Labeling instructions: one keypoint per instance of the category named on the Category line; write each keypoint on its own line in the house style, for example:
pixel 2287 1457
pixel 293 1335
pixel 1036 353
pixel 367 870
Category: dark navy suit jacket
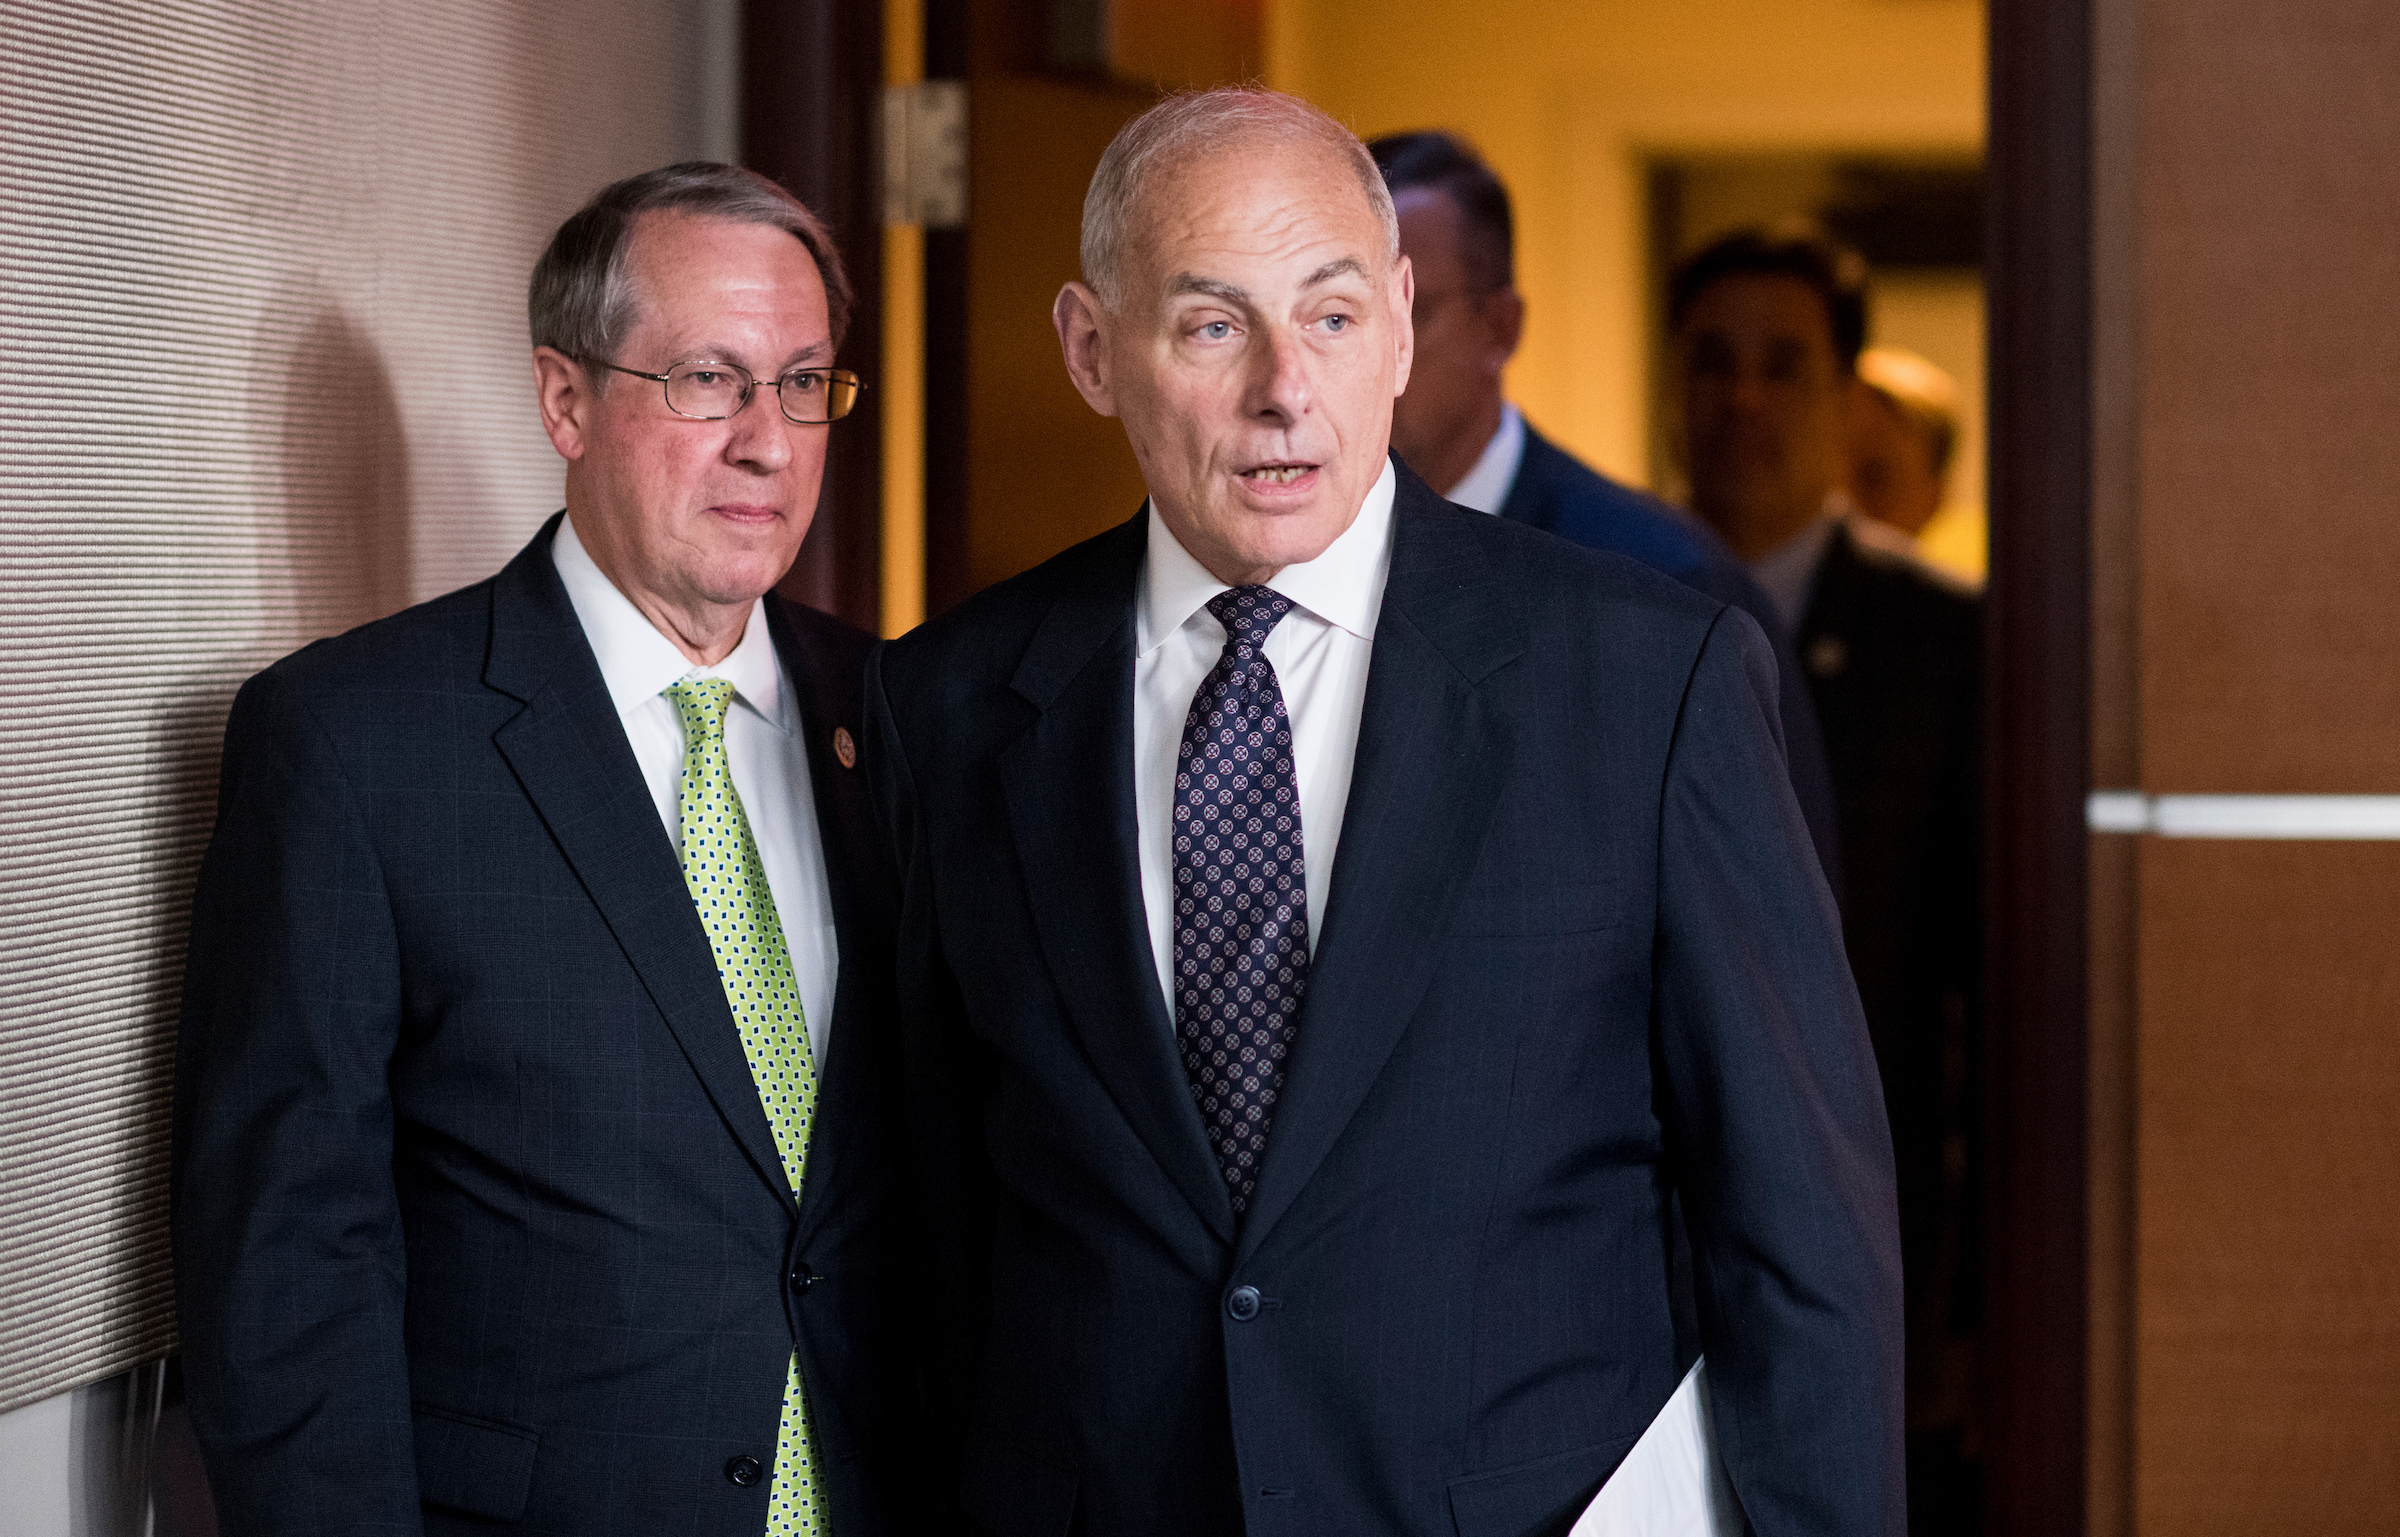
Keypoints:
pixel 1577 955
pixel 1895 656
pixel 477 1216
pixel 1560 494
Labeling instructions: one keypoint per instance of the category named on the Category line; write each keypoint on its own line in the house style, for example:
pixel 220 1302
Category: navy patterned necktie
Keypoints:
pixel 1241 895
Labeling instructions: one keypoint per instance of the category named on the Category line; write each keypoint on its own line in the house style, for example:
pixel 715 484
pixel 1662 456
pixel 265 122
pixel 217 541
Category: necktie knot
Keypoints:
pixel 700 703
pixel 1249 614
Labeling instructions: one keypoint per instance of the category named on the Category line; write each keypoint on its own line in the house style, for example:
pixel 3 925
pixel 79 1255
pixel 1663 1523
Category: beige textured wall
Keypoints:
pixel 263 376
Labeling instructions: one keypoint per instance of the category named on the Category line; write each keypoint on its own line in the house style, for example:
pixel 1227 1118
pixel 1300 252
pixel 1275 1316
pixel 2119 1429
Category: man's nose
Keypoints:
pixel 1746 389
pixel 758 437
pixel 1284 387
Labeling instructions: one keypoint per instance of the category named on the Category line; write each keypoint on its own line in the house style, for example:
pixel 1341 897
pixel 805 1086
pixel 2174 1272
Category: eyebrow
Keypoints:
pixel 1190 283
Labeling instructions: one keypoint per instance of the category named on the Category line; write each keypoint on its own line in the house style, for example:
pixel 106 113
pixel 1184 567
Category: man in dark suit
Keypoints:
pixel 1456 427
pixel 1768 325
pixel 1334 924
pixel 532 1123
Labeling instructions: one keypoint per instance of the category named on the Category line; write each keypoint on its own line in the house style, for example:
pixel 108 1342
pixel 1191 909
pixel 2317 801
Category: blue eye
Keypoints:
pixel 1337 322
pixel 1216 330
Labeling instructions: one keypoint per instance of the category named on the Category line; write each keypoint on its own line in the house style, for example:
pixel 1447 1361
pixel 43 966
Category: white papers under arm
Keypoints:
pixel 1671 1484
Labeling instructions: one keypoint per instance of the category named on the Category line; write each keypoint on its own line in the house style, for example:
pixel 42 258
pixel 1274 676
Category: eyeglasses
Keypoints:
pixel 711 392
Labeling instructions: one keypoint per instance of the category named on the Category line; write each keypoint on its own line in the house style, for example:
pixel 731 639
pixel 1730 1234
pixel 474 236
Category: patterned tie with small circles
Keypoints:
pixel 729 885
pixel 1241 895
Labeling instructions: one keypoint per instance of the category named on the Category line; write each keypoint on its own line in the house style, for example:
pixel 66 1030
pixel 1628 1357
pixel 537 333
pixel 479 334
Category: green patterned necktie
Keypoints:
pixel 721 865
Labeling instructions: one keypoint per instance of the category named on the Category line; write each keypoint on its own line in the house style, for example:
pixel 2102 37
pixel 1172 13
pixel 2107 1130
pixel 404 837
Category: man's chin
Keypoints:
pixel 746 578
pixel 1287 536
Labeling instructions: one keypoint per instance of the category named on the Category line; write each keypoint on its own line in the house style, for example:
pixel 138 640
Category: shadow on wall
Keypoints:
pixel 343 458
pixel 334 554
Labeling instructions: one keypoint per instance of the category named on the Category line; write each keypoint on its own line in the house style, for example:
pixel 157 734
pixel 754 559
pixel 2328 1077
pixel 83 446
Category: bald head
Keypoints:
pixel 1133 189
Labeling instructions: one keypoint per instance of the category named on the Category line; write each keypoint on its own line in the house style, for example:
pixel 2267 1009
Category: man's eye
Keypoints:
pixel 708 378
pixel 1337 322
pixel 1217 330
pixel 803 382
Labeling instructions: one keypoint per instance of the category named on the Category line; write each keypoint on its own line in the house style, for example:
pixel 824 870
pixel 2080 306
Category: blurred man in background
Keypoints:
pixel 1903 439
pixel 1903 430
pixel 1457 428
pixel 1767 326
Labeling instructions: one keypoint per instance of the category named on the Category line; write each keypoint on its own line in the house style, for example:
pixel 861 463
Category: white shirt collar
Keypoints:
pixel 637 662
pixel 1343 586
pixel 1789 571
pixel 1487 485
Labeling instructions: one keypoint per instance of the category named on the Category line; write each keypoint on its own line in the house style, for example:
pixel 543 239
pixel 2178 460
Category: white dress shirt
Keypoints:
pixel 1788 572
pixel 1319 651
pixel 1487 485
pixel 763 745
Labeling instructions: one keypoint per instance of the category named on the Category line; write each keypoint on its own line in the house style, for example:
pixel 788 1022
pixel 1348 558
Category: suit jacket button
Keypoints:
pixel 1242 1303
pixel 743 1471
pixel 845 750
pixel 803 1278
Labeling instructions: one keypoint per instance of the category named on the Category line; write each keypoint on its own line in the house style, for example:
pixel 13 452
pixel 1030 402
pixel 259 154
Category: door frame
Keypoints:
pixel 2037 759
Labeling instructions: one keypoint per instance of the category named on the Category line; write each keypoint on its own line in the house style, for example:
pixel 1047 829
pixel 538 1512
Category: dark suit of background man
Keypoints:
pixel 1333 923
pixel 1768 325
pixel 1456 427
pixel 531 1169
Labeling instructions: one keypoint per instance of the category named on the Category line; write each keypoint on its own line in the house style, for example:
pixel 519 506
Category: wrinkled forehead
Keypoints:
pixel 1252 196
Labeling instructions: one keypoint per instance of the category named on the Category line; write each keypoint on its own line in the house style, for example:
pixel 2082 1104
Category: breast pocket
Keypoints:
pixel 1531 909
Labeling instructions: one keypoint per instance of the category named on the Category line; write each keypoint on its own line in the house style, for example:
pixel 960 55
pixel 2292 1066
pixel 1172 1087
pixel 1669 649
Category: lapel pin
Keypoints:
pixel 844 748
pixel 1827 656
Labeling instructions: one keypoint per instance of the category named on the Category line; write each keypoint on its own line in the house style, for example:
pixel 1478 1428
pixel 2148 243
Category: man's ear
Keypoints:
pixel 564 390
pixel 1077 314
pixel 1404 322
pixel 1504 313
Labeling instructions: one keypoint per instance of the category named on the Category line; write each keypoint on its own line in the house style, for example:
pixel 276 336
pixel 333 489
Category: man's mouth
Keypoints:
pixel 1276 474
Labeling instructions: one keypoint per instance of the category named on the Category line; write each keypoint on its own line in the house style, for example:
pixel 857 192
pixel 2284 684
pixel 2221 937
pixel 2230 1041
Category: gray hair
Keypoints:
pixel 581 300
pixel 1192 123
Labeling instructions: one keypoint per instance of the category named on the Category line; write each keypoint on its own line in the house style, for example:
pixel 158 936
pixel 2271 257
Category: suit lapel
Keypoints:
pixel 844 833
pixel 1069 787
pixel 1833 596
pixel 1531 496
pixel 568 749
pixel 1432 759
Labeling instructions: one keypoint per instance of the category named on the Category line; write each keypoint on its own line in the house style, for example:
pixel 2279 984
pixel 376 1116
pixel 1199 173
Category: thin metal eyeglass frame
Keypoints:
pixel 749 387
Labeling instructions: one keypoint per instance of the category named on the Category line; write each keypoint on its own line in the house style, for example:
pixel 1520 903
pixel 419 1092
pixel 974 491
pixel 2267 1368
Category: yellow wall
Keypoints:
pixel 1567 97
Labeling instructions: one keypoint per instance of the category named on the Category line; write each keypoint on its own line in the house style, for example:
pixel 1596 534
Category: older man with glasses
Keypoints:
pixel 534 1087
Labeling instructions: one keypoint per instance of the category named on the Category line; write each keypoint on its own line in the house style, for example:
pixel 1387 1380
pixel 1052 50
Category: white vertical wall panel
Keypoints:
pixel 262 377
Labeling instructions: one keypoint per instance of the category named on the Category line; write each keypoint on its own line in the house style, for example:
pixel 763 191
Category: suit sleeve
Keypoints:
pixel 951 1186
pixel 289 1257
pixel 1775 1123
